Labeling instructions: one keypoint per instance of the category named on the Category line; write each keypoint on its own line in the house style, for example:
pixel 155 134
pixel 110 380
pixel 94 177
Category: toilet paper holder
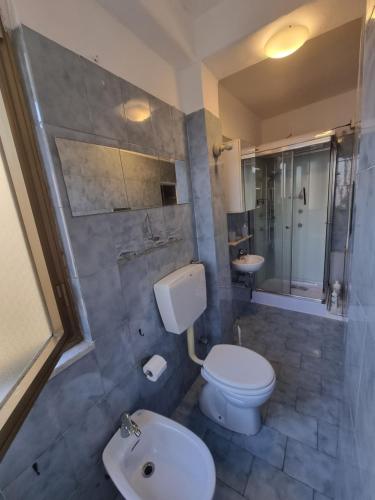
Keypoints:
pixel 154 367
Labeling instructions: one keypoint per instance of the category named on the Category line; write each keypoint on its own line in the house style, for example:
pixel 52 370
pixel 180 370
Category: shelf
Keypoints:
pixel 241 240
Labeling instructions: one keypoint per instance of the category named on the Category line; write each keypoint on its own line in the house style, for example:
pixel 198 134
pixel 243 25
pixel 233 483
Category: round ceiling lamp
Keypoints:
pixel 286 41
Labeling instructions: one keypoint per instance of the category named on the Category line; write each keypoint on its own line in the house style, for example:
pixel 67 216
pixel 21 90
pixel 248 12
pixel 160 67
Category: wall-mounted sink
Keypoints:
pixel 167 461
pixel 248 263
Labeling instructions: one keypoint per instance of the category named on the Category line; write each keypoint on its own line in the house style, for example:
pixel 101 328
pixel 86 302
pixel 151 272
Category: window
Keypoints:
pixel 37 315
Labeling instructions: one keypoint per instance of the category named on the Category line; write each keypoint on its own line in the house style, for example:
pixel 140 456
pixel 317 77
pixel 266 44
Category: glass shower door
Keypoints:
pixel 273 221
pixel 310 198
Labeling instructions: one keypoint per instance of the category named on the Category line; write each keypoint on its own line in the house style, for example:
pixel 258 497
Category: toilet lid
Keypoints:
pixel 238 367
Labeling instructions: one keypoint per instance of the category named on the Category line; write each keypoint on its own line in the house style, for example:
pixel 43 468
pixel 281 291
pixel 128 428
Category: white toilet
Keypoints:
pixel 239 380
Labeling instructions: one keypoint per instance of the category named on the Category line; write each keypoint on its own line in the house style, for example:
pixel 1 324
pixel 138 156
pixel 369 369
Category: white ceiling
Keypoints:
pixel 228 36
pixel 196 8
pixel 319 16
pixel 325 66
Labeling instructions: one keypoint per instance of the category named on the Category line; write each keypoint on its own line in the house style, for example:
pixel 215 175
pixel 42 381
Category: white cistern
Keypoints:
pixel 239 380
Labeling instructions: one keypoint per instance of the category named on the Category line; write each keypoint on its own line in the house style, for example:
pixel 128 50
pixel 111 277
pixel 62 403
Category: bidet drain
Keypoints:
pixel 148 469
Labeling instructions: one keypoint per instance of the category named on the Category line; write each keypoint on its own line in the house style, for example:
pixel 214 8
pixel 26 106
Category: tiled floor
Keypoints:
pixel 293 457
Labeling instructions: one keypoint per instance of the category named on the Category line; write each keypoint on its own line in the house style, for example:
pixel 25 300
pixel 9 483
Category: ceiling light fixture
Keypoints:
pixel 286 41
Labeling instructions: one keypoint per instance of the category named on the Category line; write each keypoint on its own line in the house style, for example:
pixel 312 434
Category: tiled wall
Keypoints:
pixel 79 409
pixel 356 475
pixel 204 130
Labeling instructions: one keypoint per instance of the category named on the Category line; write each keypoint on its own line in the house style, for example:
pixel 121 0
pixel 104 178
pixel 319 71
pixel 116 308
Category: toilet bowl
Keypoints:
pixel 238 380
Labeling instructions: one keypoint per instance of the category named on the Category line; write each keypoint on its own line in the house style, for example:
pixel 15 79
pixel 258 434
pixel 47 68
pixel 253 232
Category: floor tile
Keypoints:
pixel 255 345
pixel 308 380
pixel 223 492
pixel 328 438
pixel 284 393
pixel 268 483
pixel 291 423
pixel 191 419
pixel 300 412
pixel 324 367
pixel 319 496
pixel 310 466
pixel 332 387
pixel 268 444
pixel 304 346
pixel 286 358
pixel 232 463
pixel 316 405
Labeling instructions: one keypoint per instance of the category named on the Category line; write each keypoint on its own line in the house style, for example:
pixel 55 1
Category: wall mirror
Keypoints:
pixel 101 179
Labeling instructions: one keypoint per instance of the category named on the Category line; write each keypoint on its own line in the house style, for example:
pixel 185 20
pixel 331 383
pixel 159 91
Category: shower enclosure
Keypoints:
pixel 293 187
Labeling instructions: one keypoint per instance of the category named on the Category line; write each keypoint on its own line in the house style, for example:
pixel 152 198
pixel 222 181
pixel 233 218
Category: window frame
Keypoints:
pixel 37 215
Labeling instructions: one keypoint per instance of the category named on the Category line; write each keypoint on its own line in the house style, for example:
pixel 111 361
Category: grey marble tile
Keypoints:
pixel 59 84
pixel 92 243
pixel 308 380
pixel 316 405
pixel 332 387
pixel 365 435
pixel 105 101
pixel 196 132
pixel 179 134
pixel 255 345
pixel 223 492
pixel 86 439
pixel 192 419
pixel 305 346
pixel 268 444
pixel 232 463
pixel 323 367
pixel 127 231
pixel 161 117
pixel 319 496
pixel 137 292
pixel 55 479
pixel 310 466
pixel 164 395
pixel 154 226
pixel 284 357
pixel 284 393
pixel 75 390
pixel 40 429
pixel 183 178
pixel 291 423
pixel 102 293
pixel 334 353
pixel 328 438
pixel 268 483
pixel 97 485
pixel 126 395
pixel 114 356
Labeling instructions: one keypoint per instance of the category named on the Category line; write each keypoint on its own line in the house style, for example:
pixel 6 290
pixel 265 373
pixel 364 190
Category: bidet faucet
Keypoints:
pixel 128 426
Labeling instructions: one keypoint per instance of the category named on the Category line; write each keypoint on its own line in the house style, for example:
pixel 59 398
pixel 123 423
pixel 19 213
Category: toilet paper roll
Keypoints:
pixel 154 367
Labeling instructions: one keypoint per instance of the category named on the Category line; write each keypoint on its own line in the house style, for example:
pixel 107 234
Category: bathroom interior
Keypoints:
pixel 187 280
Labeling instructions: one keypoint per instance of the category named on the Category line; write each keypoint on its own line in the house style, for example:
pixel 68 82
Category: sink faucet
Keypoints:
pixel 128 426
pixel 241 253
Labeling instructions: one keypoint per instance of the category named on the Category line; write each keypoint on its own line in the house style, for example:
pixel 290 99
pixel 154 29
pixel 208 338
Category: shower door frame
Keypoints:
pixel 327 139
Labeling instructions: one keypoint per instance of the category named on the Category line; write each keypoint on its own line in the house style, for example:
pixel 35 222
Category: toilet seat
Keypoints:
pixel 238 370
